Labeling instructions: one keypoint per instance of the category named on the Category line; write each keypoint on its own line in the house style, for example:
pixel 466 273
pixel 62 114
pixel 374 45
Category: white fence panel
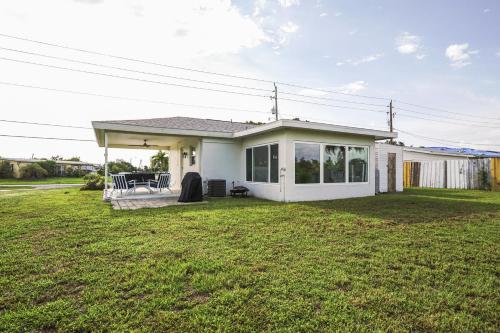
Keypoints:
pixel 457 173
pixel 432 174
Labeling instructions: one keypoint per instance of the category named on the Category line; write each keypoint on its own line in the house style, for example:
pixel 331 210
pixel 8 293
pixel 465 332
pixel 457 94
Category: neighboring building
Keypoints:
pixel 285 160
pixel 61 166
pixel 468 151
pixel 388 168
pixel 414 154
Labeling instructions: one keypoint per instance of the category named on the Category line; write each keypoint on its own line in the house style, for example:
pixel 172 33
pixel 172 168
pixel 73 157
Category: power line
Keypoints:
pixel 182 68
pixel 132 78
pixel 147 101
pixel 43 124
pixel 446 111
pixel 445 140
pixel 128 98
pixel 44 138
pixel 132 70
pixel 328 91
pixel 445 117
pixel 331 105
pixel 330 99
pixel 447 122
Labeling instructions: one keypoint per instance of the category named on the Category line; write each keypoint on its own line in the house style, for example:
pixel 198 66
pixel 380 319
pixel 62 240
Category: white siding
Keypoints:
pixel 270 191
pixel 220 159
pixel 381 152
pixel 324 191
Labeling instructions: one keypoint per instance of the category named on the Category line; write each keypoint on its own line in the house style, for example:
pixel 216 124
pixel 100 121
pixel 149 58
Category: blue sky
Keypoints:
pixel 442 54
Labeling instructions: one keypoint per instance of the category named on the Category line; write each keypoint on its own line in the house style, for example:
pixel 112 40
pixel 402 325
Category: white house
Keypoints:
pixel 285 160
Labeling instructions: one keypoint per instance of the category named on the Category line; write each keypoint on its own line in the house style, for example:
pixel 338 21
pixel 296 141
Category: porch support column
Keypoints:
pixel 106 165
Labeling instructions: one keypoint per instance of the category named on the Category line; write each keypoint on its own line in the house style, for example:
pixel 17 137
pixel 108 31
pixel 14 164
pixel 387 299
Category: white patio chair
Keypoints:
pixel 163 182
pixel 121 184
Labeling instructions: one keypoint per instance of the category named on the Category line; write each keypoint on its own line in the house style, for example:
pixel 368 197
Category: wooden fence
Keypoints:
pixel 459 174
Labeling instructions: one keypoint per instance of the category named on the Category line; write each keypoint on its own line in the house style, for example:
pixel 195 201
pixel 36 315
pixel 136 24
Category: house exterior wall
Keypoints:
pixel 180 165
pixel 381 162
pixel 326 191
pixel 414 156
pixel 270 191
pixel 220 159
pixel 226 159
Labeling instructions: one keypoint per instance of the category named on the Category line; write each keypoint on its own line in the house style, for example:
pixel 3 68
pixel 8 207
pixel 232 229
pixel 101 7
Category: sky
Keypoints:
pixel 444 55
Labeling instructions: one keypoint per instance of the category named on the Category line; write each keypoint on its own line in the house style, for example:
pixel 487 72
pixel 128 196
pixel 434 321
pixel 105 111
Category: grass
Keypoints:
pixel 425 260
pixel 50 180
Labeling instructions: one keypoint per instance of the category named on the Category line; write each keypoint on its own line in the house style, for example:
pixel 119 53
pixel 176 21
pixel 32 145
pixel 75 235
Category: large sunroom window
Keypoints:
pixel 307 165
pixel 358 164
pixel 330 163
pixel 334 164
pixel 262 164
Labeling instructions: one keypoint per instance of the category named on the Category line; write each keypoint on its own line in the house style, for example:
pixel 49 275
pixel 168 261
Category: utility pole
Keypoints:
pixel 391 115
pixel 275 100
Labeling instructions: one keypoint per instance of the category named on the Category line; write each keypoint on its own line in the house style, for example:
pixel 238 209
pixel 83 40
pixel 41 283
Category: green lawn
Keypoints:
pixel 53 180
pixel 425 260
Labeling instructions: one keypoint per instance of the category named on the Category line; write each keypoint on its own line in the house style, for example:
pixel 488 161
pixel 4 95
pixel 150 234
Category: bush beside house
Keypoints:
pixel 93 181
pixel 6 170
pixel 33 171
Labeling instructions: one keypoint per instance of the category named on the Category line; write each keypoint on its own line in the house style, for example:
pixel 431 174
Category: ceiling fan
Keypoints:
pixel 144 145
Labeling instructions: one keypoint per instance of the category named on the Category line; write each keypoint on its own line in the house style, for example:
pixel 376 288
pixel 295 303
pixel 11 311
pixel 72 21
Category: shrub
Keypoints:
pixel 50 166
pixel 74 172
pixel 118 166
pixel 6 170
pixel 33 171
pixel 93 181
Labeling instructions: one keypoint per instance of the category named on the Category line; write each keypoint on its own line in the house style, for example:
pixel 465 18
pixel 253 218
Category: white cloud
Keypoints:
pixel 353 32
pixel 420 56
pixel 498 54
pixel 486 10
pixel 407 43
pixel 289 3
pixel 366 59
pixel 289 27
pixel 323 14
pixel 352 88
pixel 459 55
pixel 337 14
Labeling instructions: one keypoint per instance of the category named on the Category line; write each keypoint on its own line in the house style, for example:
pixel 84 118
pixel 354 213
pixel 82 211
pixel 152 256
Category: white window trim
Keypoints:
pixel 268 163
pixel 321 169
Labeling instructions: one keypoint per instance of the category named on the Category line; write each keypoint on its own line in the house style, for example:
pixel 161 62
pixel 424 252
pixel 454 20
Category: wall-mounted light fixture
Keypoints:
pixel 185 154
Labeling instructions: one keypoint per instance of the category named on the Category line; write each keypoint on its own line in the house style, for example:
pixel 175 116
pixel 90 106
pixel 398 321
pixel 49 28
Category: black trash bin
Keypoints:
pixel 191 188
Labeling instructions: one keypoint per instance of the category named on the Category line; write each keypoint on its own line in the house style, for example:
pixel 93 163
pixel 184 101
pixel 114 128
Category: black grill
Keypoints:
pixel 216 188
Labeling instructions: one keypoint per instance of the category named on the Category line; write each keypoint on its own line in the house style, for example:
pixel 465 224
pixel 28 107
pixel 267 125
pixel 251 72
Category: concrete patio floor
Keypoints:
pixel 141 198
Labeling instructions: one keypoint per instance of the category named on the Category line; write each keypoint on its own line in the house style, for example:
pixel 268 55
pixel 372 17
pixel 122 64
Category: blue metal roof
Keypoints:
pixel 468 151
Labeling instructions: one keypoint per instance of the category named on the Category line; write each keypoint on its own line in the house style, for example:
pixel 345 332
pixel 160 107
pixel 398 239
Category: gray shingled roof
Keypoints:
pixel 186 123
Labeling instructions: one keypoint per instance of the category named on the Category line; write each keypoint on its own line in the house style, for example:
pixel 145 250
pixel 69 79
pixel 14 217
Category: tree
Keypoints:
pixel 50 166
pixel 6 170
pixel 33 171
pixel 56 158
pixel 75 159
pixel 395 143
pixel 251 122
pixel 159 162
pixel 118 166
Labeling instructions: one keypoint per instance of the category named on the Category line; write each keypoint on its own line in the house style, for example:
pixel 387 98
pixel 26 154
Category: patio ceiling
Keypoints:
pixel 136 140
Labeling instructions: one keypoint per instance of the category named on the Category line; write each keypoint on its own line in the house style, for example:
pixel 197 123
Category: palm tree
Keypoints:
pixel 159 162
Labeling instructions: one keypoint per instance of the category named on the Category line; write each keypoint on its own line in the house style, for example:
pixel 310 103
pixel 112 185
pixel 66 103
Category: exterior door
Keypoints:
pixel 391 172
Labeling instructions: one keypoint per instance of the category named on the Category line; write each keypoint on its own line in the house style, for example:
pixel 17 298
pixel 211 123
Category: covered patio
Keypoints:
pixel 181 151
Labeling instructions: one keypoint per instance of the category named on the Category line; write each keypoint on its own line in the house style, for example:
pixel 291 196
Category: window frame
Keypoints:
pixel 268 164
pixel 322 159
